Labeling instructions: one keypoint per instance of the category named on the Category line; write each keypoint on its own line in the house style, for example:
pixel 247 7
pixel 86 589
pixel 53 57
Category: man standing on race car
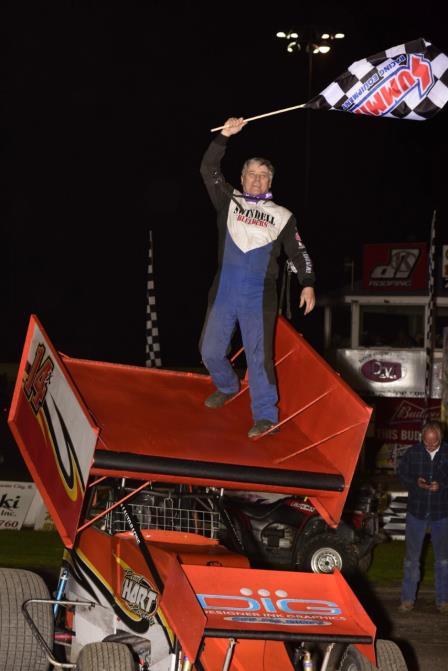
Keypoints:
pixel 252 230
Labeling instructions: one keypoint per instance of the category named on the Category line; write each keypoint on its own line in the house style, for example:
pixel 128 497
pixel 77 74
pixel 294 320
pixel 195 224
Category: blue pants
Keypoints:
pixel 243 300
pixel 415 534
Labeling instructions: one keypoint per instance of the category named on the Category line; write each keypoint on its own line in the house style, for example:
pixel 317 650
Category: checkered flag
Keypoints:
pixel 409 81
pixel 429 331
pixel 153 358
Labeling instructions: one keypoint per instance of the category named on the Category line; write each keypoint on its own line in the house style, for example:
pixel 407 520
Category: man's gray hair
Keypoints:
pixel 433 425
pixel 261 161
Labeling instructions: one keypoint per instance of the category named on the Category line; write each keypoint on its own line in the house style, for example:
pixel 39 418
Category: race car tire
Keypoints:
pixel 19 649
pixel 389 656
pixel 324 553
pixel 353 660
pixel 105 657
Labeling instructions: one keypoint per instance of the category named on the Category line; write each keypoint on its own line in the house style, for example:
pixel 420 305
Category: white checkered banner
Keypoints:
pixel 153 358
pixel 409 81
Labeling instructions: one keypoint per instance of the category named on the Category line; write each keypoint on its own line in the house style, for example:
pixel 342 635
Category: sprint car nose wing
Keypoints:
pixel 206 602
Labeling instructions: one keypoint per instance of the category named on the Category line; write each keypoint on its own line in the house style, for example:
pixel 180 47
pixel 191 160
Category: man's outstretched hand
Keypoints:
pixel 233 126
pixel 307 299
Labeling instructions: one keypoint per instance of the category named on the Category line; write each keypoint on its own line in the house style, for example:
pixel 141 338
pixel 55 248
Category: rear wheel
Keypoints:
pixel 389 656
pixel 19 649
pixel 105 657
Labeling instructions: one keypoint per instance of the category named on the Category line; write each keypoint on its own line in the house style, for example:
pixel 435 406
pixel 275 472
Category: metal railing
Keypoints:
pixel 167 515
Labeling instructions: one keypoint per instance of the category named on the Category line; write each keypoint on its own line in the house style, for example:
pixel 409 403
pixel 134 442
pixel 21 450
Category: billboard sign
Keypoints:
pixel 391 267
pixel 380 372
pixel 15 500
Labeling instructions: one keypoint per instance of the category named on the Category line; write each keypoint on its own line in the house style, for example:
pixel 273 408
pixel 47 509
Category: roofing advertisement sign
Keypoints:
pixel 391 267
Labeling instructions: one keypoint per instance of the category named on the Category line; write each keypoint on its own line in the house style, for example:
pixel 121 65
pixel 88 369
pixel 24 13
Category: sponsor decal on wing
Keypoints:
pixel 51 422
pixel 264 607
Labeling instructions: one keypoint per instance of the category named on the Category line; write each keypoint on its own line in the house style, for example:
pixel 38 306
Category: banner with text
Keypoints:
pixel 15 500
pixel 391 267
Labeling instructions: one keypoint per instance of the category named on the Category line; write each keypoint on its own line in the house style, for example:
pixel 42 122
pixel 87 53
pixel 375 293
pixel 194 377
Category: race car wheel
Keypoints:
pixel 325 553
pixel 105 657
pixel 389 656
pixel 19 649
pixel 353 660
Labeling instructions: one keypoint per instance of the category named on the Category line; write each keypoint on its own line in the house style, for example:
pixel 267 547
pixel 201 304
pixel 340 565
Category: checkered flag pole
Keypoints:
pixel 429 331
pixel 153 358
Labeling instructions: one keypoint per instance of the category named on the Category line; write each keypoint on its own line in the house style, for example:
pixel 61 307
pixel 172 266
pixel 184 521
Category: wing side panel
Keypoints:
pixel 53 429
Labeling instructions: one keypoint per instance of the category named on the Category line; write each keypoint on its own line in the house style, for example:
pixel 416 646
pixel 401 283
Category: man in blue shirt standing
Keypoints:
pixel 424 471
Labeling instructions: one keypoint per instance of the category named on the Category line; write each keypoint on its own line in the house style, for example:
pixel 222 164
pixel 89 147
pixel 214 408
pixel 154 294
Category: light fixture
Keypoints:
pixel 291 35
pixel 305 40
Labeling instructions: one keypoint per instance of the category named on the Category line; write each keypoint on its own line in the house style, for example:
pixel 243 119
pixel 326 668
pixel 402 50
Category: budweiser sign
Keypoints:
pixel 407 411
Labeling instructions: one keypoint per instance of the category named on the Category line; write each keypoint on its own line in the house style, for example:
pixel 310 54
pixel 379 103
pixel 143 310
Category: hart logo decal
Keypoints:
pixel 139 595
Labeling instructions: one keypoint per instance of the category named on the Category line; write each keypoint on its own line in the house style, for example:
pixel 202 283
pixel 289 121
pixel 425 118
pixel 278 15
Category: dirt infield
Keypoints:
pixel 422 634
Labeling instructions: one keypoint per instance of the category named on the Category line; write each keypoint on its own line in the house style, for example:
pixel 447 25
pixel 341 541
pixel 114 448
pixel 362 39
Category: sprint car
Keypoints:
pixel 133 469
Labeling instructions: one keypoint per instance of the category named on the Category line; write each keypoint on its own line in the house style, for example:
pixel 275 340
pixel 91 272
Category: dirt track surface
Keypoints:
pixel 422 634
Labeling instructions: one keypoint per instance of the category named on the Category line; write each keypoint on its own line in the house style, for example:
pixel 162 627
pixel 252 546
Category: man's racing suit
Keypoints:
pixel 244 290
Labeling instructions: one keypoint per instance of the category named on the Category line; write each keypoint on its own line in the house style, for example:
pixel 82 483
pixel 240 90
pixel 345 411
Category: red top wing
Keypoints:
pixel 154 425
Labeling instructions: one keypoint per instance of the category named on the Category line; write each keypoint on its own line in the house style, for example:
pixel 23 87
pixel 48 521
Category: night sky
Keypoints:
pixel 106 111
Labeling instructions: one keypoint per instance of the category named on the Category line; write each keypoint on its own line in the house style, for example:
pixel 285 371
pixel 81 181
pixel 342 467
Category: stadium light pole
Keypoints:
pixel 313 41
